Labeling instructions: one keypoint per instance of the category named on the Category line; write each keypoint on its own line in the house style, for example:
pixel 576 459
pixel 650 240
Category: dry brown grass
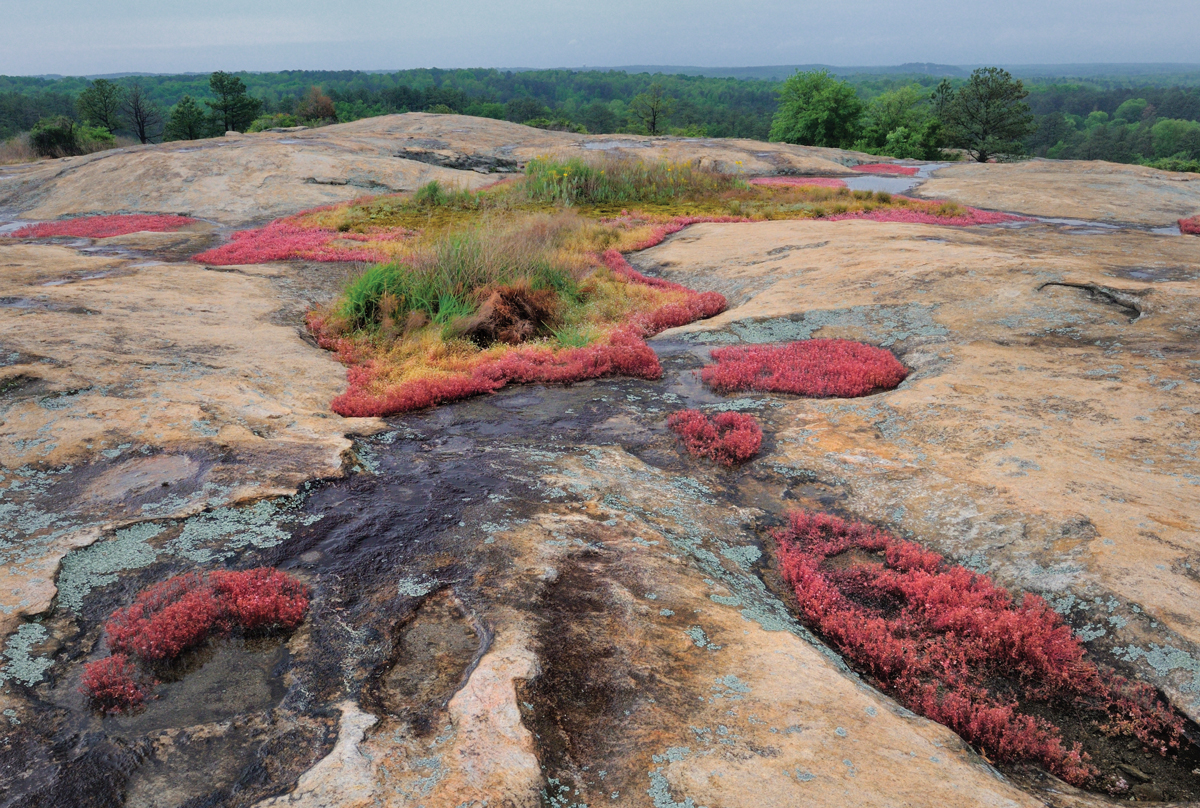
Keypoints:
pixel 17 150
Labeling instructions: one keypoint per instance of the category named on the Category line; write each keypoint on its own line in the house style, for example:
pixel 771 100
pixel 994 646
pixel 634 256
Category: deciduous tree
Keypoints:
pixel 316 106
pixel 815 109
pixel 142 114
pixel 652 108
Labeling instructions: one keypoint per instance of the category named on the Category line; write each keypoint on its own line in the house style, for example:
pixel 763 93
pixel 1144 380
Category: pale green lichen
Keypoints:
pixel 214 534
pixel 743 556
pixel 1165 660
pixel 414 587
pixel 21 665
pixel 98 565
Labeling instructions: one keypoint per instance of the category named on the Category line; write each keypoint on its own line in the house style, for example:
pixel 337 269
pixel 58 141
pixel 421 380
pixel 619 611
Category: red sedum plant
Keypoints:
pixel 951 645
pixel 105 226
pixel 820 368
pixel 178 614
pixel 728 438
pixel 112 683
pixel 885 168
pixel 798 182
pixel 1190 227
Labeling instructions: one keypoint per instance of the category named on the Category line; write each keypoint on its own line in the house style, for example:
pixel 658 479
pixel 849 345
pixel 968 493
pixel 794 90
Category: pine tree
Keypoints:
pixel 187 121
pixel 234 109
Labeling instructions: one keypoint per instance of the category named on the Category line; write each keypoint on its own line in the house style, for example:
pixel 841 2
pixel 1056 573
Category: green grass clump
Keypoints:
pixel 615 181
pixel 443 282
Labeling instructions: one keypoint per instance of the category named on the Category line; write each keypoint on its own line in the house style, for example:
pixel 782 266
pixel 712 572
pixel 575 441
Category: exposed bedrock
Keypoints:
pixel 534 598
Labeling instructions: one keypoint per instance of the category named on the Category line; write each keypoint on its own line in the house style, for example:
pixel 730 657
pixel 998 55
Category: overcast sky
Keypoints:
pixel 80 37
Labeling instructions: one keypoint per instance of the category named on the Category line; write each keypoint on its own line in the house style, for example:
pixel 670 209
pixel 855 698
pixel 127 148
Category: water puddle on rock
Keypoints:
pixel 218 683
pixel 878 184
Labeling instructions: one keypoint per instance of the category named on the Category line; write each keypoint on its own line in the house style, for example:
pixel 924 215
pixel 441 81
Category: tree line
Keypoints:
pixel 901 116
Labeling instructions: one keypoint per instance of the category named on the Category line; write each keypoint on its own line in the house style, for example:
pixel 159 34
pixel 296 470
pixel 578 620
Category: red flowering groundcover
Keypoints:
pixel 105 226
pixel 180 613
pixel 1190 227
pixel 728 438
pixel 951 645
pixel 799 182
pixel 885 168
pixel 283 240
pixel 819 368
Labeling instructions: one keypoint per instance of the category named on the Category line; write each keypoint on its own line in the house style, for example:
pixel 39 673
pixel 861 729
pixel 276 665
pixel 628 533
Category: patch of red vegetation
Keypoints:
pixel 799 182
pixel 954 647
pixel 179 614
pixel 885 168
pixel 626 354
pixel 697 306
pixel 819 368
pixel 1190 227
pixel 283 240
pixel 927 212
pixel 728 438
pixel 112 684
pixel 104 226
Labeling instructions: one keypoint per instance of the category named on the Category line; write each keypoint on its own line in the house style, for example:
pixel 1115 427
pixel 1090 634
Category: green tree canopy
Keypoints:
pixel 520 110
pixel 100 104
pixel 988 115
pixel 905 107
pixel 187 121
pixel 815 109
pixel 234 109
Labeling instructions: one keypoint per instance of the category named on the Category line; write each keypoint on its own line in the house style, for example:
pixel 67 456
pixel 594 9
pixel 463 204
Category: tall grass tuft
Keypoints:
pixel 620 180
pixel 445 280
pixel 17 149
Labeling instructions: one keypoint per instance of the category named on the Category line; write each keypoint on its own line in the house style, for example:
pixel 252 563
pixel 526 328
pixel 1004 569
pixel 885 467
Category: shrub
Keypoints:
pixel 278 120
pixel 104 226
pixel 62 137
pixel 728 438
pixel 112 684
pixel 179 614
pixel 885 168
pixel 557 125
pixel 1175 164
pixel 55 137
pixel 1190 226
pixel 953 646
pixel 820 368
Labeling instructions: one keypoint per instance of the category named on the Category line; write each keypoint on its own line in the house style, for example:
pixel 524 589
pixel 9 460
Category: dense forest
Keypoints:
pixel 1109 119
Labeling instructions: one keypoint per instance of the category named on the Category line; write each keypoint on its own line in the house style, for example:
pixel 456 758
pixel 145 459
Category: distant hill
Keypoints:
pixel 778 72
pixel 1133 74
